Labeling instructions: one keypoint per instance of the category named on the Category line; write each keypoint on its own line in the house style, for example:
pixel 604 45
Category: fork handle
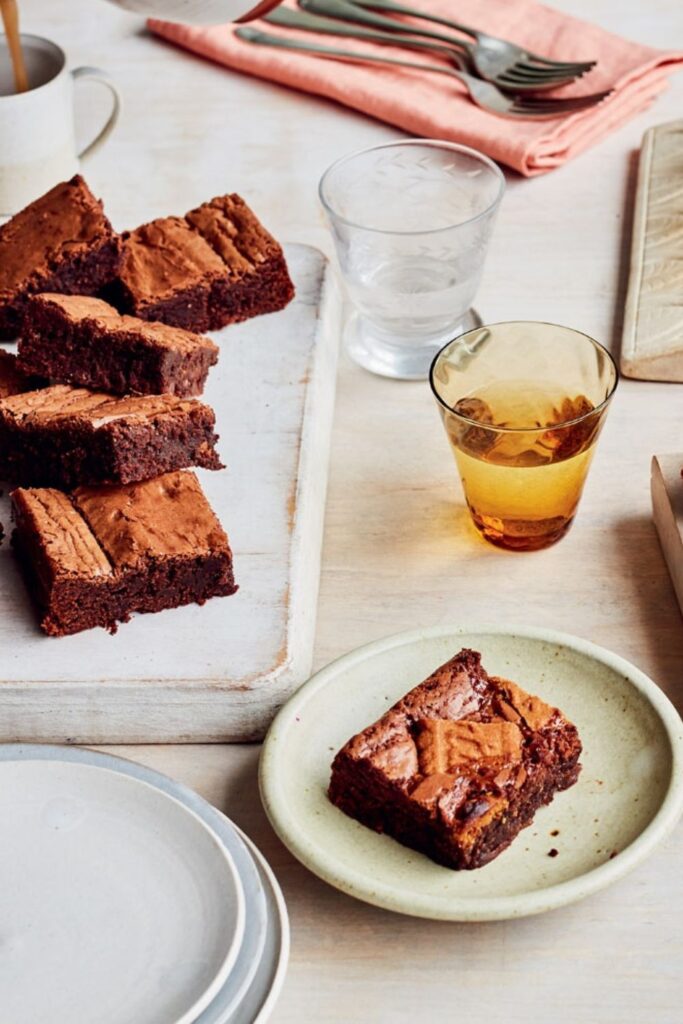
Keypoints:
pixel 348 11
pixel 389 5
pixel 288 18
pixel 252 35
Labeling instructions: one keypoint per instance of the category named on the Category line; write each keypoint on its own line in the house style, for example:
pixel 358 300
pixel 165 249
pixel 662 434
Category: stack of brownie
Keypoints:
pixel 99 414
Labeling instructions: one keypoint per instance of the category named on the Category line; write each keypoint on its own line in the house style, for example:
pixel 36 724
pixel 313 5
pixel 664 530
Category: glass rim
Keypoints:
pixel 525 430
pixel 435 143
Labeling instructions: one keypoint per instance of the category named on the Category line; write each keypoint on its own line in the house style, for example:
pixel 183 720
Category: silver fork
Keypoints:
pixel 495 60
pixel 489 51
pixel 289 18
pixel 484 94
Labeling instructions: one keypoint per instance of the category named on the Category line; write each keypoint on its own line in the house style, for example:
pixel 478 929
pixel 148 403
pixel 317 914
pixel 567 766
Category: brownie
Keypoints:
pixel 74 339
pixel 215 266
pixel 62 437
pixel 458 766
pixel 12 380
pixel 93 557
pixel 256 279
pixel 62 242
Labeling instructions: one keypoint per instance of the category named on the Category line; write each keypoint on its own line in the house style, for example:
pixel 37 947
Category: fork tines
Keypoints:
pixel 524 73
pixel 541 105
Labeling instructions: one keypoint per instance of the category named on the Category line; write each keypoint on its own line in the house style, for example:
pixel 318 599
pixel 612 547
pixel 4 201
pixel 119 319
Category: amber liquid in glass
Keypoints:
pixel 524 468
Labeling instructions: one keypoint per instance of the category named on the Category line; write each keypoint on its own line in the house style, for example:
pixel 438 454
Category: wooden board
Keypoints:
pixel 667 511
pixel 220 671
pixel 652 343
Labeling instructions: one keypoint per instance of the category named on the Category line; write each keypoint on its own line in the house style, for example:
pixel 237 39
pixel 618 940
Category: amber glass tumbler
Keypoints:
pixel 523 405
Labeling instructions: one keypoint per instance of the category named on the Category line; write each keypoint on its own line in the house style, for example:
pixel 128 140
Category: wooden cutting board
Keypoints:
pixel 217 672
pixel 652 342
pixel 667 511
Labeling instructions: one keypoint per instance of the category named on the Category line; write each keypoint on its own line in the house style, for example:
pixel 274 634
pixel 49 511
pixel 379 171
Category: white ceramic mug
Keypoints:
pixel 37 139
pixel 200 12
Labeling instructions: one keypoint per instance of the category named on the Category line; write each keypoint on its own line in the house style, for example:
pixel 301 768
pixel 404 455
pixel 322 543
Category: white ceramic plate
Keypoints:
pixel 117 897
pixel 629 794
pixel 254 983
pixel 260 1000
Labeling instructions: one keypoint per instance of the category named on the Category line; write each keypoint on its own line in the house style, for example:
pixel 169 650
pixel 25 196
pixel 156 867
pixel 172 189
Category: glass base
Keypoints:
pixel 399 359
pixel 521 534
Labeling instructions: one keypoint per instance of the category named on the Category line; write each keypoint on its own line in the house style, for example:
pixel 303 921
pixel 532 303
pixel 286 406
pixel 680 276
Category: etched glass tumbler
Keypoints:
pixel 411 222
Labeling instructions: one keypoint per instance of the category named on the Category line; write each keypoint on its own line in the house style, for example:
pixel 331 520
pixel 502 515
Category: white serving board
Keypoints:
pixel 652 341
pixel 667 512
pixel 217 672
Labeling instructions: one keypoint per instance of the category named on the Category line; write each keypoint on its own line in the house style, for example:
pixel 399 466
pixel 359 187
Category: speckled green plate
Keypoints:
pixel 628 797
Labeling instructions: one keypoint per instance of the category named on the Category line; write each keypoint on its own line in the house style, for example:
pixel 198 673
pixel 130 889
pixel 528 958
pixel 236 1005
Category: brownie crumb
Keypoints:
pixel 553 852
pixel 555 832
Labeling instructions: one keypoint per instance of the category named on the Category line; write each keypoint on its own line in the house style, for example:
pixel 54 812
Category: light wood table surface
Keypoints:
pixel 399 551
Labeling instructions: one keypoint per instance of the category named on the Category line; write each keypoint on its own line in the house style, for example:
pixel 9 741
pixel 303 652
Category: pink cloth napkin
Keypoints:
pixel 437 107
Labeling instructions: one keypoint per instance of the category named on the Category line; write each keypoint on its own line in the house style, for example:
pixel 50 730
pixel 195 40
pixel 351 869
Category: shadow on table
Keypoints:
pixel 647 587
pixel 409 524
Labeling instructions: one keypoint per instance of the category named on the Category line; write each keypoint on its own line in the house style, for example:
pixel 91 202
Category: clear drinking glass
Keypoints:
pixel 523 405
pixel 411 222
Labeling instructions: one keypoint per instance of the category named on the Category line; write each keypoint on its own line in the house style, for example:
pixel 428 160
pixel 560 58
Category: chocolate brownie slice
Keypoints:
pixel 62 437
pixel 62 242
pixel 458 766
pixel 94 557
pixel 255 279
pixel 73 339
pixel 12 380
pixel 167 273
pixel 215 266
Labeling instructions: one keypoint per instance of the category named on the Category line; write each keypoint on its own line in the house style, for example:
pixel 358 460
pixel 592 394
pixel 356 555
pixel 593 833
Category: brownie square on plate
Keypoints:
pixel 94 557
pixel 458 766
pixel 61 242
pixel 74 339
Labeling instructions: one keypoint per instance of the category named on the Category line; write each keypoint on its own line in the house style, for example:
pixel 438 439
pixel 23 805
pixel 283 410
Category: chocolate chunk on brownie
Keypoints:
pixel 215 266
pixel 62 242
pixel 458 766
pixel 74 339
pixel 94 557
pixel 62 437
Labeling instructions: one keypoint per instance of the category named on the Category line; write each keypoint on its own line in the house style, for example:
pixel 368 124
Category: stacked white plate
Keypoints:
pixel 128 898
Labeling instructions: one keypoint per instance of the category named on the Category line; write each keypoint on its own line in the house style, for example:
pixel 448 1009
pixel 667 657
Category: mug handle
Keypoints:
pixel 97 75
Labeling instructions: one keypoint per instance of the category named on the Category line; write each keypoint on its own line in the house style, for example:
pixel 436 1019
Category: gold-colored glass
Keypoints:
pixel 523 405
